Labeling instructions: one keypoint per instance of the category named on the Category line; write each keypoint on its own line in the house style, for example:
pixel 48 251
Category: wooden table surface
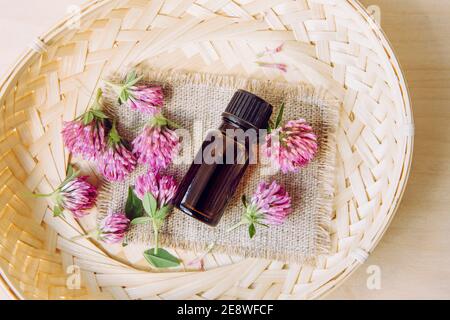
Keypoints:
pixel 414 255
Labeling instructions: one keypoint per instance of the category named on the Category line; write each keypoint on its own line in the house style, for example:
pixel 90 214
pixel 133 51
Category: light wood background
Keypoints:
pixel 414 255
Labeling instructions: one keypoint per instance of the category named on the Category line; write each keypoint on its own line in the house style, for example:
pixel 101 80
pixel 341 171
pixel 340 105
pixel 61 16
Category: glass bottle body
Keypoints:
pixel 215 173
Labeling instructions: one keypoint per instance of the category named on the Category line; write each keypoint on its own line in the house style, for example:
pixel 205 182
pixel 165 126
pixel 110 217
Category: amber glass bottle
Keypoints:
pixel 223 158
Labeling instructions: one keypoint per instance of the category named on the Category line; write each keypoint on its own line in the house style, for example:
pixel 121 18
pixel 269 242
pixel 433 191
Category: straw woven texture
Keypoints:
pixel 331 44
pixel 196 101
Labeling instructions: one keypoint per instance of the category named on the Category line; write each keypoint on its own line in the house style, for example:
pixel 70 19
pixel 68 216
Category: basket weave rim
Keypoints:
pixel 406 99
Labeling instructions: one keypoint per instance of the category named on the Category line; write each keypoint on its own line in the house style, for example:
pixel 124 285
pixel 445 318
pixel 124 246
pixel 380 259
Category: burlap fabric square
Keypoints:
pixel 196 101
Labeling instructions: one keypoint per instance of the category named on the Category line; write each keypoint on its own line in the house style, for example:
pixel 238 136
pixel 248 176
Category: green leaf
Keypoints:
pixel 57 211
pixel 133 206
pixel 71 174
pixel 141 220
pixel 279 116
pixel 244 200
pixel 130 76
pixel 133 82
pixel 88 118
pixel 162 213
pixel 97 104
pixel 114 136
pixel 251 230
pixel 99 114
pixel 69 171
pixel 124 95
pixel 262 224
pixel 162 259
pixel 99 95
pixel 161 121
pixel 150 204
pixel 132 79
pixel 173 125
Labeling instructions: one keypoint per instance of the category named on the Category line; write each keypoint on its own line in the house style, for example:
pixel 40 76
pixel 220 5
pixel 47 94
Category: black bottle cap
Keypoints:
pixel 250 109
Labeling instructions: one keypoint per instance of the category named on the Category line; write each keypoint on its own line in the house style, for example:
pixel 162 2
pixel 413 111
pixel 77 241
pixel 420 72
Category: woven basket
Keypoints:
pixel 332 44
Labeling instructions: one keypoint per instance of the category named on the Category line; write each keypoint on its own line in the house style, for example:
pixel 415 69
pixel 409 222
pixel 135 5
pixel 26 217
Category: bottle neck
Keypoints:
pixel 230 121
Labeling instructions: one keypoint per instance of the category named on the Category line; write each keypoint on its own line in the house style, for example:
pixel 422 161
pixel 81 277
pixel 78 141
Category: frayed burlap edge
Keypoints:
pixel 309 95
